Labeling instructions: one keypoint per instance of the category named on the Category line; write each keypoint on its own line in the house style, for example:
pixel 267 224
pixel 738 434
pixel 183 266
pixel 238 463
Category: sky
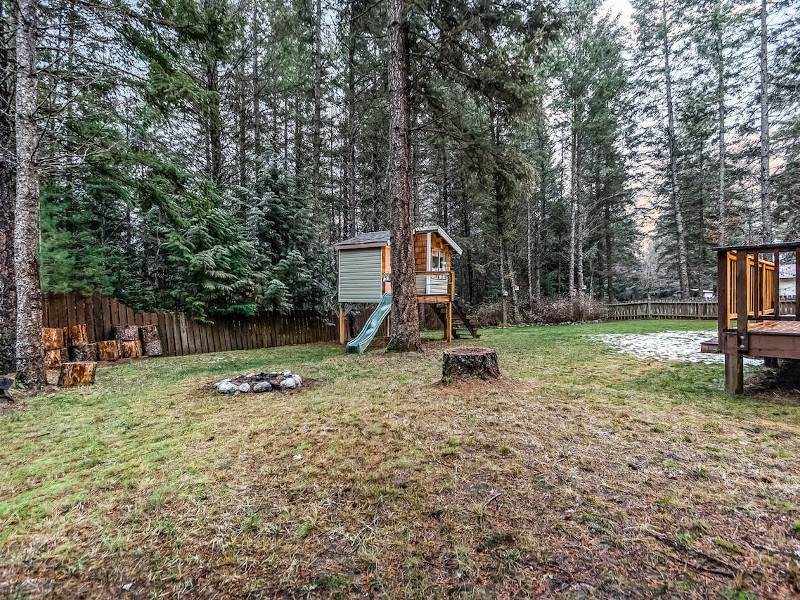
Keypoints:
pixel 621 7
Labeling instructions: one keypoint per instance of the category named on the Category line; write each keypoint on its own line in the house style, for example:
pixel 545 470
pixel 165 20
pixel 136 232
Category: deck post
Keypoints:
pixel 742 273
pixel 734 374
pixel 342 336
pixel 448 330
pixel 777 284
pixel 723 311
pixel 796 285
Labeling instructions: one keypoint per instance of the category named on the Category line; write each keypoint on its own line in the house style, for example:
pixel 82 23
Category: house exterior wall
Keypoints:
pixel 360 275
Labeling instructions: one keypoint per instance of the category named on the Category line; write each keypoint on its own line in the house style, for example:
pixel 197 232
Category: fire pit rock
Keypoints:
pixel 258 383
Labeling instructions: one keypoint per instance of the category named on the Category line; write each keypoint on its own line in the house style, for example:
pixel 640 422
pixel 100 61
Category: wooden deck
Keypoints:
pixel 748 293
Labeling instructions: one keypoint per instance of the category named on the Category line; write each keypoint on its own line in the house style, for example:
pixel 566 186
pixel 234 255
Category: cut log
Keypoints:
pixel 469 362
pixel 83 353
pixel 130 349
pixel 151 342
pixel 52 358
pixel 74 374
pixel 52 338
pixel 108 350
pixel 127 333
pixel 76 335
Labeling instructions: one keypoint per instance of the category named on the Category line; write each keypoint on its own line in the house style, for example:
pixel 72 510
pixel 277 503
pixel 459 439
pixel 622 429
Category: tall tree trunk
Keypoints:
pixel 721 234
pixel 214 125
pixel 766 217
pixel 503 291
pixel 573 205
pixel 349 150
pixel 512 280
pixel 242 118
pixel 680 231
pixel 8 293
pixel 30 355
pixel 405 318
pixel 609 252
pixel 255 35
pixel 529 244
pixel 316 135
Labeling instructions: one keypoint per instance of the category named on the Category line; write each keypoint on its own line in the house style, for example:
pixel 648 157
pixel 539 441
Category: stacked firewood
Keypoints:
pixel 138 340
pixel 68 349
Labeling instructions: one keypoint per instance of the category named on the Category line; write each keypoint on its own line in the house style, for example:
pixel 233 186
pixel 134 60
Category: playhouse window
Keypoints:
pixel 438 261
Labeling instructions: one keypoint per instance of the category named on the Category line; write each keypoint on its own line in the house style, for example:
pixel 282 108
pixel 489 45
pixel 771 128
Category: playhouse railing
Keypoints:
pixel 436 283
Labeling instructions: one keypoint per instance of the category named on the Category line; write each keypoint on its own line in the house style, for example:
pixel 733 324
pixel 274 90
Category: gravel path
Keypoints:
pixel 683 346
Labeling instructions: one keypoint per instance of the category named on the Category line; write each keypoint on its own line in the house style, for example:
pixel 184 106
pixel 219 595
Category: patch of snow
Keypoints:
pixel 682 346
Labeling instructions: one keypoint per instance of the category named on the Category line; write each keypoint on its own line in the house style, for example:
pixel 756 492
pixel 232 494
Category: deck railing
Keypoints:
pixel 746 280
pixel 436 283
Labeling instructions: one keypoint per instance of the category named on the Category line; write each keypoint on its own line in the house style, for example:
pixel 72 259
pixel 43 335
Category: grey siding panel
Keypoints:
pixel 360 275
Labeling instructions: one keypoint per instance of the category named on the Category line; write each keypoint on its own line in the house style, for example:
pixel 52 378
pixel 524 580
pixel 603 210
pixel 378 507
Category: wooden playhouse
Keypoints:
pixel 365 278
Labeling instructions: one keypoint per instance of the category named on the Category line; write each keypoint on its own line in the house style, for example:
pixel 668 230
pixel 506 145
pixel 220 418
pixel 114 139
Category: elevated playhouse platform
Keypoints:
pixel 364 278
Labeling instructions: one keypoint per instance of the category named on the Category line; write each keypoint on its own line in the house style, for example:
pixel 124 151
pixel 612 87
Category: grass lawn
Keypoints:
pixel 584 473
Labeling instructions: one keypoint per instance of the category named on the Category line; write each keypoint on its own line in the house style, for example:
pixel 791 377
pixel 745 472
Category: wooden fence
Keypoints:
pixel 181 335
pixel 674 309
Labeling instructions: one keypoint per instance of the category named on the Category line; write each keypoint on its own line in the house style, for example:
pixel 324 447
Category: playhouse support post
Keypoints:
pixel 448 330
pixel 342 336
pixel 734 374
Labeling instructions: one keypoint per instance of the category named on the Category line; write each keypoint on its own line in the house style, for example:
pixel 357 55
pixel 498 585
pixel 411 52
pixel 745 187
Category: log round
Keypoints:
pixel 52 338
pixel 130 349
pixel 108 350
pixel 127 333
pixel 53 358
pixel 74 374
pixel 83 352
pixel 469 362
pixel 76 334
pixel 151 342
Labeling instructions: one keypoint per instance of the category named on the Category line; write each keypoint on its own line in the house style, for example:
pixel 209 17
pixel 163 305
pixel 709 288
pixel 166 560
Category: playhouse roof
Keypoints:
pixel 373 239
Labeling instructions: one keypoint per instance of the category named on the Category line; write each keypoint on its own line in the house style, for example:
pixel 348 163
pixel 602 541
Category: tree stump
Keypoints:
pixel 151 342
pixel 52 338
pixel 76 335
pixel 83 353
pixel 469 362
pixel 108 350
pixel 127 333
pixel 130 349
pixel 75 374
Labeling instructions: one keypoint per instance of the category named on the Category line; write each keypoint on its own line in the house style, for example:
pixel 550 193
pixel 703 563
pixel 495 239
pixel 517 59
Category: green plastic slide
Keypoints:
pixel 359 343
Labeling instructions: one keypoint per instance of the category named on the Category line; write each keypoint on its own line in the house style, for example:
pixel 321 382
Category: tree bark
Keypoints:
pixel 766 216
pixel 721 234
pixel 256 86
pixel 573 205
pixel 680 231
pixel 8 292
pixel 316 134
pixel 405 318
pixel 30 354
pixel 214 124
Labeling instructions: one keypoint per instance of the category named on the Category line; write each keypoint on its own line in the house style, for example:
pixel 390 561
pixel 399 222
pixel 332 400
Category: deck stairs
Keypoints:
pixel 462 324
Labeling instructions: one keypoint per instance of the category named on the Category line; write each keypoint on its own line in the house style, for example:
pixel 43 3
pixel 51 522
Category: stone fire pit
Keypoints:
pixel 258 383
